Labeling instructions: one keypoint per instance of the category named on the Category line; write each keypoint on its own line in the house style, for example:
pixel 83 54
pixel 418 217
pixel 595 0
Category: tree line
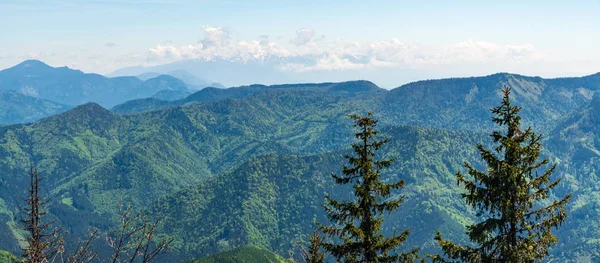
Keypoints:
pixel 511 198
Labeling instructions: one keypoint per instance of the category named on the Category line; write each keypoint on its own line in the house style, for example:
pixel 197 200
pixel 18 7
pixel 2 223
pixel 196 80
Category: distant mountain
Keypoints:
pixel 458 103
pixel 16 107
pixel 144 76
pixel 165 82
pixel 73 87
pixel 463 103
pixel 190 79
pixel 210 94
pixel 272 69
pixel 169 95
pixel 227 71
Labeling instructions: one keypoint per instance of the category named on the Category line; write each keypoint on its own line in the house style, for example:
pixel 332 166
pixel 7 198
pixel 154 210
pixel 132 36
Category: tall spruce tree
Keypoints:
pixel 510 196
pixel 357 223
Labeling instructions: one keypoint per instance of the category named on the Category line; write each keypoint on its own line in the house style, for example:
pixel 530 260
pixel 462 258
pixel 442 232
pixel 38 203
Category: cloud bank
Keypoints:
pixel 306 55
pixel 309 51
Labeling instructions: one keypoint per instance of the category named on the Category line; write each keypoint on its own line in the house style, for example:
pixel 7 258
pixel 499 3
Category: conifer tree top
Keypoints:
pixel 357 223
pixel 510 195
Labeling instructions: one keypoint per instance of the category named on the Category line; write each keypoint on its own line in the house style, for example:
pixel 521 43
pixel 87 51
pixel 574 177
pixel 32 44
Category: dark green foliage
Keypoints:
pixel 267 202
pixel 313 252
pixel 511 196
pixel 357 224
pixel 6 257
pixel 273 201
pixel 242 255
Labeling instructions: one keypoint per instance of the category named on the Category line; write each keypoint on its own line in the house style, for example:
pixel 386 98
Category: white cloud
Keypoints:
pixel 217 43
pixel 330 62
pixel 215 36
pixel 303 37
pixel 310 52
pixel 110 44
pixel 38 55
pixel 483 52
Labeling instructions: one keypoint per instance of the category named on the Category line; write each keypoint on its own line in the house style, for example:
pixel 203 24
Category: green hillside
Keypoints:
pixel 231 171
pixel 211 94
pixel 6 257
pixel 242 255
pixel 16 107
pixel 273 201
pixel 94 157
pixel 464 103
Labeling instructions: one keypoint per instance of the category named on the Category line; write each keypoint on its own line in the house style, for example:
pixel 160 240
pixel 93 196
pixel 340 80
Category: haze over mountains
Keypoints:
pixel 42 90
pixel 249 165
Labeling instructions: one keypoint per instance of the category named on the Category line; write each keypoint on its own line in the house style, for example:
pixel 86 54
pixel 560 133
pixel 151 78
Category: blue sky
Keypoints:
pixel 547 38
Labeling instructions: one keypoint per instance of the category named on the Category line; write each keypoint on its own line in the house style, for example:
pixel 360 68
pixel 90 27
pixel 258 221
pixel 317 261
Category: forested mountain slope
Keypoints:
pixel 274 200
pixel 19 108
pixel 463 103
pixel 459 103
pixel 242 255
pixel 92 157
pixel 210 94
pixel 245 166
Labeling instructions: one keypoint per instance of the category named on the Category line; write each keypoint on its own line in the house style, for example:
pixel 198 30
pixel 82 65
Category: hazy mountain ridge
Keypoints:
pixel 211 94
pixel 190 79
pixel 16 107
pixel 73 87
pixel 459 103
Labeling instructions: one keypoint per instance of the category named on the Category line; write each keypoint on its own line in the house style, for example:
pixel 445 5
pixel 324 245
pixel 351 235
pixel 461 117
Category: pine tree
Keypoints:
pixel 314 254
pixel 357 224
pixel 511 197
pixel 43 242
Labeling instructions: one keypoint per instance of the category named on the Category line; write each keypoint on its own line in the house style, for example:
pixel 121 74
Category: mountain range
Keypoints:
pixel 262 67
pixel 43 90
pixel 249 165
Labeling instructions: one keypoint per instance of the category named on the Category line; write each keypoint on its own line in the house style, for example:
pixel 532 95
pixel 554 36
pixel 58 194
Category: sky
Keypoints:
pixel 431 39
